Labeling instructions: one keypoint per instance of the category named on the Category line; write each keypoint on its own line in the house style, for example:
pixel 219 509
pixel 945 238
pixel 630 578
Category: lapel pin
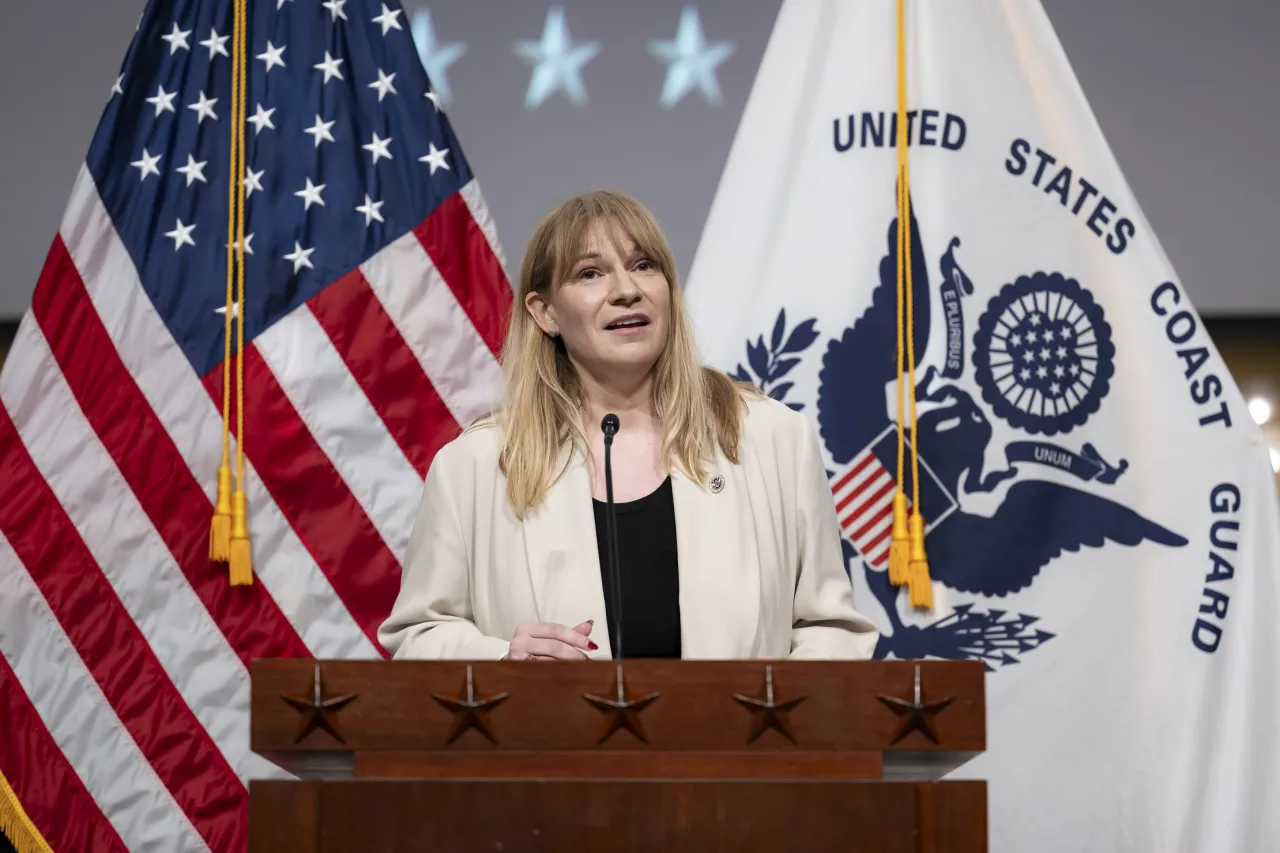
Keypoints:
pixel 717 484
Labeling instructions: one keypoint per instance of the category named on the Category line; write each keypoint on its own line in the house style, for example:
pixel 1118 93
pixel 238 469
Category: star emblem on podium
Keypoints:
pixel 320 713
pixel 621 712
pixel 767 712
pixel 917 713
pixel 469 711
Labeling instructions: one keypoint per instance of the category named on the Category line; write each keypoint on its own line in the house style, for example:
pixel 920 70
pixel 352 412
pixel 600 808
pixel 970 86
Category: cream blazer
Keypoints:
pixel 760 565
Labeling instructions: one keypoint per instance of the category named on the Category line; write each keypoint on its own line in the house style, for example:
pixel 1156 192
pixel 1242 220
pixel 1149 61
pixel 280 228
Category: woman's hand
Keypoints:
pixel 550 640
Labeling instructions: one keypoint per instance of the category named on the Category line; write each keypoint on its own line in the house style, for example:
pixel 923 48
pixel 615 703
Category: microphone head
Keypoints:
pixel 610 424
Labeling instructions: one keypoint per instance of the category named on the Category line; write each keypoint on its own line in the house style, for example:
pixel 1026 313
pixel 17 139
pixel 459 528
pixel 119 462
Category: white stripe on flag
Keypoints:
pixel 165 377
pixel 475 202
pixel 128 550
pixel 82 722
pixel 344 423
pixel 437 329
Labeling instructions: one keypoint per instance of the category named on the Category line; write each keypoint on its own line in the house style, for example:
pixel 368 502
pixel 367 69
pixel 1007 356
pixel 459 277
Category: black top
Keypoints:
pixel 649 569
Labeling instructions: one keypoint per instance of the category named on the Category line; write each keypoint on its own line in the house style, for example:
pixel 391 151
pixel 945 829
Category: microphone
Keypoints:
pixel 610 426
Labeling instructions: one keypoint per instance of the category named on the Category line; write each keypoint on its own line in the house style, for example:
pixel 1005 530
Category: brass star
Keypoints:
pixel 917 711
pixel 470 712
pixel 621 712
pixel 320 713
pixel 768 713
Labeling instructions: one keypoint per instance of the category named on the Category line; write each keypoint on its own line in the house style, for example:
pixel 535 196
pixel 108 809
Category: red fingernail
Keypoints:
pixel 591 645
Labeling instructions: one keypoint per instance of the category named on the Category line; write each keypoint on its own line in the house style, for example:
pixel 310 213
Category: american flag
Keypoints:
pixel 374 313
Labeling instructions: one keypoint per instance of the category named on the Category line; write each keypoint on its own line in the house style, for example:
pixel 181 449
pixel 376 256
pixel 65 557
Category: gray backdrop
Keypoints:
pixel 1184 90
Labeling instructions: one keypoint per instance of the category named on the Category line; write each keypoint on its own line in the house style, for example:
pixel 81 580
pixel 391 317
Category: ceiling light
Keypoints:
pixel 1260 409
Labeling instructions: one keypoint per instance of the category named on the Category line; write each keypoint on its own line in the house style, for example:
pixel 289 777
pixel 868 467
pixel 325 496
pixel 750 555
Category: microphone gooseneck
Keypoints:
pixel 609 426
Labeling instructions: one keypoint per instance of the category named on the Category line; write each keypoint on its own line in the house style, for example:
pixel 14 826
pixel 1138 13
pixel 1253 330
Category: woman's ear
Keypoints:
pixel 542 312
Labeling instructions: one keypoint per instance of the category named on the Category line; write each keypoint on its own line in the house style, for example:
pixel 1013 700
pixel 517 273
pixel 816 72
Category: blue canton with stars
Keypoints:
pixel 346 150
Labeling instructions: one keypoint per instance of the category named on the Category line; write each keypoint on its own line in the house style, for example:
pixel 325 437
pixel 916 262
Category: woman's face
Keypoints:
pixel 611 309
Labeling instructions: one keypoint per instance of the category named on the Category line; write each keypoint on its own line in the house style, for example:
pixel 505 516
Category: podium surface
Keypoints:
pixel 618 756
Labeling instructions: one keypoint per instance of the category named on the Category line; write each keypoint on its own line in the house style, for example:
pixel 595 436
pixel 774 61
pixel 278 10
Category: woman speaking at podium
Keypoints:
pixel 726 545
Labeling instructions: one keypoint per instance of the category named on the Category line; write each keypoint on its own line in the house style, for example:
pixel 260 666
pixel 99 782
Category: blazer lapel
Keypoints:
pixel 719 577
pixel 564 562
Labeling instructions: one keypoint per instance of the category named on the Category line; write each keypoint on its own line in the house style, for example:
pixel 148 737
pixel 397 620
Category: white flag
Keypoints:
pixel 1103 528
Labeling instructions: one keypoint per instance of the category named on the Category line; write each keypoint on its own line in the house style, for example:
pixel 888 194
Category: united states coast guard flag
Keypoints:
pixel 1101 521
pixel 373 301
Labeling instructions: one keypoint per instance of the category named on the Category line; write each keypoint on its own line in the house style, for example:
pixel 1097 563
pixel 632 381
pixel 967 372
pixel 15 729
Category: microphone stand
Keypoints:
pixel 610 426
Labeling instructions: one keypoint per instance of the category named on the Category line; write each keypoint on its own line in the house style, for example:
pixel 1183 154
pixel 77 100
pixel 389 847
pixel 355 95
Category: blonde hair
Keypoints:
pixel 700 408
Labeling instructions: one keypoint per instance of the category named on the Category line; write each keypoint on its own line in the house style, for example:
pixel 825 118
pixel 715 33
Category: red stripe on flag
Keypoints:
pixel 313 497
pixel 47 786
pixel 114 651
pixel 871 522
pixel 857 469
pixel 880 537
pixel 875 496
pixel 168 492
pixel 385 368
pixel 459 250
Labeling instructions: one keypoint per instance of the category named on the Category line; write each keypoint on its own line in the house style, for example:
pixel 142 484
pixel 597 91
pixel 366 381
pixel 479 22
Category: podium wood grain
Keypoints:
pixel 627 817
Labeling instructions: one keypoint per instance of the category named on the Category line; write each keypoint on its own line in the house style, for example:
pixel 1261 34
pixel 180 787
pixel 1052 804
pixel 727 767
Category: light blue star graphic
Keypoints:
pixel 436 57
pixel 557 62
pixel 691 61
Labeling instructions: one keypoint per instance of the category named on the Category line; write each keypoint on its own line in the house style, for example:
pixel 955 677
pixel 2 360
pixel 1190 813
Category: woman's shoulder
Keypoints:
pixel 476 447
pixel 766 416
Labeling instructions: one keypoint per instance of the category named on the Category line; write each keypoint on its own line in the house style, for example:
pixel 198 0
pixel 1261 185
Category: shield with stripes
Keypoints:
pixel 864 490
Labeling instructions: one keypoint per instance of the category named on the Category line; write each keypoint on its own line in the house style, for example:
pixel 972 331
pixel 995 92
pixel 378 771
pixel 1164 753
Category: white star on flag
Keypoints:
pixel 329 67
pixel 252 180
pixel 311 194
pixel 436 57
pixel 383 84
pixel 371 209
pixel 378 148
pixel 335 8
pixel 261 118
pixel 177 39
pixel 193 171
pixel 248 245
pixel 181 235
pixel 235 306
pixel 280 4
pixel 148 165
pixel 435 158
pixel 217 44
pixel 117 89
pixel 320 131
pixel 273 56
pixel 557 62
pixel 163 100
pixel 300 257
pixel 691 61
pixel 433 98
pixel 388 19
pixel 204 108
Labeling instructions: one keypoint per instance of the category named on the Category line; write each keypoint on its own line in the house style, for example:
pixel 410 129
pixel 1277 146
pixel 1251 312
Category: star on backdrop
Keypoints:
pixel 691 61
pixel 557 62
pixel 436 56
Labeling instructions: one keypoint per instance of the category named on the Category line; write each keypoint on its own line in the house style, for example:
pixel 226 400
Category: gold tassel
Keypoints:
pixel 900 544
pixel 241 558
pixel 220 529
pixel 918 572
pixel 16 826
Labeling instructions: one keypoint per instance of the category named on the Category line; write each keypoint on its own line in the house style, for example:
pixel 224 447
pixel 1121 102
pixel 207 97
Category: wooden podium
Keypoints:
pixel 666 756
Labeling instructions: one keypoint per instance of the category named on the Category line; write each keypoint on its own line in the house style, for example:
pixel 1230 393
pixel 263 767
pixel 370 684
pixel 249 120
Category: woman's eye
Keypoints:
pixel 588 273
pixel 644 265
